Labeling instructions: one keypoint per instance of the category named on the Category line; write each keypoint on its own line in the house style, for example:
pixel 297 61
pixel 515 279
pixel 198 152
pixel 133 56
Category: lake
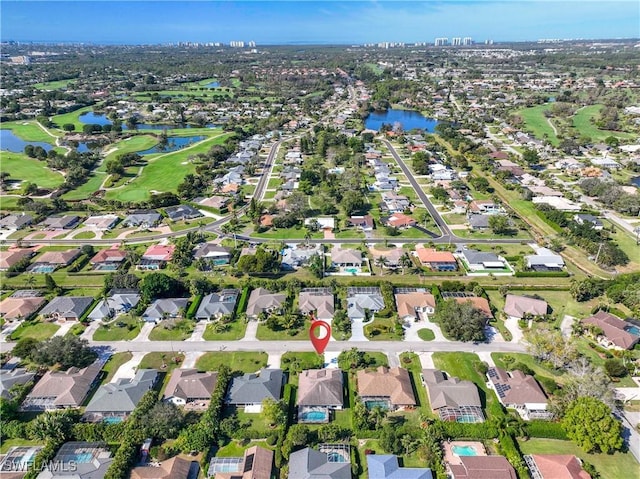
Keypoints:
pixel 175 143
pixel 409 119
pixel 213 84
pixel 10 142
pixel 100 119
pixel 635 181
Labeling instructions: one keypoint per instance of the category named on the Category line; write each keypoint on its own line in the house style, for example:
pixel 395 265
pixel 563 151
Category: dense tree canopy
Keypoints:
pixel 461 321
pixel 67 351
pixel 589 423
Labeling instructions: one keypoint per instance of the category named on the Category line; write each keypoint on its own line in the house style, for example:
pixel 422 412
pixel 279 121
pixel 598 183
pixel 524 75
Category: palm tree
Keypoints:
pixel 381 262
pixel 232 227
pixel 406 261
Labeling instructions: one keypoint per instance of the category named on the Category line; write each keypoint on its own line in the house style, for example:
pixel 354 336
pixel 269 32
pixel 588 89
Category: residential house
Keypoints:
pixel 346 257
pixel 297 255
pixel 616 333
pixel 323 223
pixel 261 300
pixel 79 460
pixel 518 306
pixel 155 257
pixel 101 222
pixel 213 254
pixel 607 163
pixel 519 391
pixel 400 221
pixel 320 388
pixel 217 305
pixel 481 304
pixel 364 223
pixel 595 223
pixel 361 300
pixel 165 308
pixel 13 377
pixel 142 219
pixel 411 302
pixel 555 466
pixel 257 463
pixel 118 399
pixel 182 212
pixel 66 308
pixel 437 260
pixel 62 389
pixel 65 222
pixel 318 301
pixel 10 257
pixel 56 258
pixel 190 387
pixel 219 203
pixel 250 390
pixel 544 260
pixel 173 468
pixel 478 222
pixel 308 463
pixel 485 207
pixel 395 203
pixel 16 221
pixel 108 259
pixel 562 204
pixel 118 302
pixel 390 385
pixel 477 467
pixel 21 304
pixel 392 256
pixel 451 398
pixel 482 261
pixel 386 466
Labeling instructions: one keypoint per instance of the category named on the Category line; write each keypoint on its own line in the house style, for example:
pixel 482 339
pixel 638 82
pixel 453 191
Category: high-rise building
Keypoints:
pixel 467 41
pixel 456 41
pixel 236 44
pixel 252 44
pixel 441 42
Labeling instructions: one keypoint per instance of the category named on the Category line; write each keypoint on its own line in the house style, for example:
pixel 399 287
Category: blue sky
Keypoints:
pixel 275 22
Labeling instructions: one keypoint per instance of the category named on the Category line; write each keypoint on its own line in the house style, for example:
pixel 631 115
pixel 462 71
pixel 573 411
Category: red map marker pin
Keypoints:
pixel 321 339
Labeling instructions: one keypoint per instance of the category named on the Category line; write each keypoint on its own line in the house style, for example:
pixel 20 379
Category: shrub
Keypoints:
pixel 545 429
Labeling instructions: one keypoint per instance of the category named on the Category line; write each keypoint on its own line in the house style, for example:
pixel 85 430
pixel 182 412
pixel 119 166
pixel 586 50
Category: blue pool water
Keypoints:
pixel 464 450
pixel 409 119
pixel 352 270
pixel 335 457
pixel 635 330
pixel 10 142
pixel 83 458
pixel 380 403
pixel 314 416
pixel 42 268
pixel 112 420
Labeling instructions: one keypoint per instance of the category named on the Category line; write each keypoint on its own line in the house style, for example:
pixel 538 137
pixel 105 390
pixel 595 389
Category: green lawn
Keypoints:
pixel 113 364
pixel 582 123
pixel 31 131
pixel 616 465
pixel 235 330
pixel 426 334
pixel 9 443
pixel 157 360
pixel 537 123
pixel 461 365
pixel 53 85
pixel 164 172
pixel 121 329
pixel 72 117
pixel 535 366
pixel 21 167
pixel 170 330
pixel 383 329
pixel 295 362
pixel 266 334
pixel 244 361
pixel 85 235
pixel 36 330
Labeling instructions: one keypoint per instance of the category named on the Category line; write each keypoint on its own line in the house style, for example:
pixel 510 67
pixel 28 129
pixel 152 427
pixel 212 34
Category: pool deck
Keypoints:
pixel 451 458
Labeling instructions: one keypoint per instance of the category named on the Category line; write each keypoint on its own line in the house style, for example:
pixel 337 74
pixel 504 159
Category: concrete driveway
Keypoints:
pixel 143 335
pixel 190 359
pixel 128 369
pixel 357 331
pixel 198 331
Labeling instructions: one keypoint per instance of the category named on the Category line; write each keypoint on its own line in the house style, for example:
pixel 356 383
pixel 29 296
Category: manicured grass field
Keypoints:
pixel 21 167
pixel 244 361
pixel 582 123
pixel 608 465
pixel 426 334
pixel 53 85
pixel 36 330
pixel 72 117
pixel 537 123
pixel 31 131
pixel 85 235
pixel 295 362
pixel 157 360
pixel 383 329
pixel 163 172
pixel 112 332
pixel 114 363
pixel 172 331
pixel 9 443
pixel 265 334
pixel 235 331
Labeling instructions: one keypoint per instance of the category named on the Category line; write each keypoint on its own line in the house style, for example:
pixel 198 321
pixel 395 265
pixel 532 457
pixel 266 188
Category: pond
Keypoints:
pixel 409 119
pixel 213 84
pixel 100 119
pixel 10 142
pixel 635 181
pixel 174 143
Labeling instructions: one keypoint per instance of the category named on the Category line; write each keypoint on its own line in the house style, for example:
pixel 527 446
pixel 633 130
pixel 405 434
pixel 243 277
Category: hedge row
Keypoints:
pixel 546 430
pixel 541 274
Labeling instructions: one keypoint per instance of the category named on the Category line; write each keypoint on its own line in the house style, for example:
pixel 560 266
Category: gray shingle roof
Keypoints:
pixel 124 394
pixel 449 392
pixel 9 377
pixel 254 388
pixel 385 466
pixel 160 308
pixel 311 464
pixel 67 306
pixel 218 304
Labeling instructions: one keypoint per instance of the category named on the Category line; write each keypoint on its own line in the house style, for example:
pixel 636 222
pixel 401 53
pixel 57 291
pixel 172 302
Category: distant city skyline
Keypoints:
pixel 325 22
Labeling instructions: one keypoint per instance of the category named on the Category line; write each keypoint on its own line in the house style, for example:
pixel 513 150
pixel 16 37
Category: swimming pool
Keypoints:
pixel 42 268
pixel 336 457
pixel 635 330
pixel 112 420
pixel 352 270
pixel 381 403
pixel 464 450
pixel 83 457
pixel 313 415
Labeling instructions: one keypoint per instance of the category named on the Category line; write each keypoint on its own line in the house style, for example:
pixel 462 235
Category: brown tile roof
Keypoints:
pixel 190 384
pixel 408 302
pixel 518 306
pixel 17 308
pixel 560 466
pixel 69 388
pixel 432 256
pixel 59 257
pixel 10 257
pixel 613 329
pixel 519 388
pixel 479 303
pixel 483 467
pixel 400 220
pixel 110 255
pixel 260 461
pixel 320 387
pixel 393 383
pixel 174 468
